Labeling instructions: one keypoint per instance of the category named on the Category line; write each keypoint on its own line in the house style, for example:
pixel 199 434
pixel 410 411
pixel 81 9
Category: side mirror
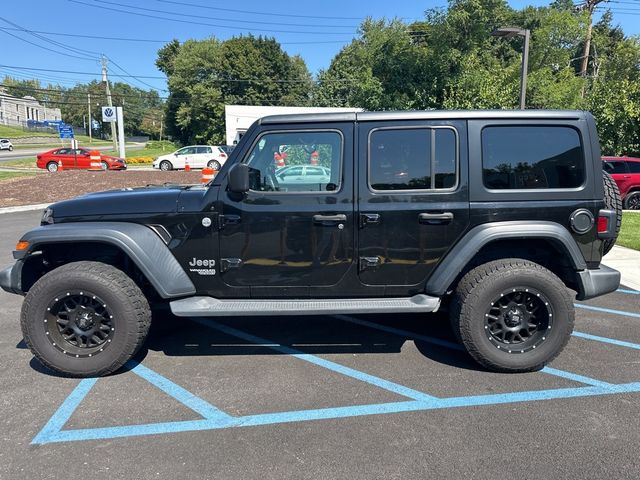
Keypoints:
pixel 239 178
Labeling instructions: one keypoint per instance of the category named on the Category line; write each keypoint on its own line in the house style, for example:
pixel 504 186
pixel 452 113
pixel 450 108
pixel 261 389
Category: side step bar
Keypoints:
pixel 211 307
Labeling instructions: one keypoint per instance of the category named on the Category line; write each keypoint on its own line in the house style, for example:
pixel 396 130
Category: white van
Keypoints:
pixel 197 156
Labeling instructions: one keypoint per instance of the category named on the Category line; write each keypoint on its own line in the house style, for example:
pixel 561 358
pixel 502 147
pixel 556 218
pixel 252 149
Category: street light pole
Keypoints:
pixel 525 69
pixel 510 32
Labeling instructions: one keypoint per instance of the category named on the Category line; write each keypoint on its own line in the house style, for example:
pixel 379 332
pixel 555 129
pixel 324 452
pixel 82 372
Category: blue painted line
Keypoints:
pixel 576 378
pixel 321 362
pixel 612 341
pixel 402 333
pixel 64 412
pixel 185 397
pixel 344 412
pixel 608 310
pixel 631 292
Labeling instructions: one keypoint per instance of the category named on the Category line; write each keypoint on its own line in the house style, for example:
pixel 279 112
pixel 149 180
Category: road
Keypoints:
pixel 335 397
pixel 20 153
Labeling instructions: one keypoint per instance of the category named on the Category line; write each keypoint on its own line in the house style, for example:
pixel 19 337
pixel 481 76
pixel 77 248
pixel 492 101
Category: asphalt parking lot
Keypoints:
pixel 324 397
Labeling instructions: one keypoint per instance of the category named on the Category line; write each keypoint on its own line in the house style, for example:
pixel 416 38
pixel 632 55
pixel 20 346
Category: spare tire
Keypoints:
pixel 612 201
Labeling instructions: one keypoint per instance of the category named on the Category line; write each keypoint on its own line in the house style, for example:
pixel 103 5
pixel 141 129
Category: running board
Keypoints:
pixel 211 307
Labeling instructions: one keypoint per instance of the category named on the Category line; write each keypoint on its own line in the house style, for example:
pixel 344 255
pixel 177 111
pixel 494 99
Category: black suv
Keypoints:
pixel 493 215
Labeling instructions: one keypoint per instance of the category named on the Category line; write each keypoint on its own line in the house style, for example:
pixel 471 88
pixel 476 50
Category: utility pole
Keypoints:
pixel 90 121
pixel 589 6
pixel 109 102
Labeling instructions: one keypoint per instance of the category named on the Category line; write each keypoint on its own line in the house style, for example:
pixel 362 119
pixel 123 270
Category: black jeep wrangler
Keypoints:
pixel 502 217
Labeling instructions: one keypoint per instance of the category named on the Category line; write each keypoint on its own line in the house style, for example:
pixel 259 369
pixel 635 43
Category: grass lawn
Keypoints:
pixel 23 162
pixel 10 175
pixel 630 231
pixel 17 132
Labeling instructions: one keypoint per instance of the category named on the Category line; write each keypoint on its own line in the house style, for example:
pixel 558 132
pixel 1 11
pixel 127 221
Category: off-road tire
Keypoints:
pixel 612 201
pixel 131 317
pixel 477 290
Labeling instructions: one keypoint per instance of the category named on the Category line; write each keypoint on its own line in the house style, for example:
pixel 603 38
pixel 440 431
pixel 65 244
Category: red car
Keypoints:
pixel 626 173
pixel 76 159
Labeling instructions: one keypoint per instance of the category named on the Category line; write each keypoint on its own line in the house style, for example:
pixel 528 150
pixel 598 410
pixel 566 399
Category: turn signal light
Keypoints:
pixel 603 224
pixel 22 246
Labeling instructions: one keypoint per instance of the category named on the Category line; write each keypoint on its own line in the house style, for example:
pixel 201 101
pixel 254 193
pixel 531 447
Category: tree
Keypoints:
pixel 204 75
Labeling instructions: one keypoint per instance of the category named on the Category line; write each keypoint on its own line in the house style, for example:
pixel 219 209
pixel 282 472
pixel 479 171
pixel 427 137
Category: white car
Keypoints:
pixel 6 144
pixel 197 156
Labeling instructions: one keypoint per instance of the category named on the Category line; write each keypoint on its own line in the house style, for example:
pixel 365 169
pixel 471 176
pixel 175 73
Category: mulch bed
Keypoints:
pixel 53 187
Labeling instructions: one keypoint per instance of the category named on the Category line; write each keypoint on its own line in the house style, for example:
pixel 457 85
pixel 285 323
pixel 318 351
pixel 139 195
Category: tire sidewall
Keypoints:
pixel 52 167
pixel 486 293
pixel 214 164
pixel 49 288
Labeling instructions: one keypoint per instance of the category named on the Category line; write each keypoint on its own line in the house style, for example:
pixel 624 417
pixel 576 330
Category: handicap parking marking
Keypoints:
pixel 612 341
pixel 214 418
pixel 607 310
pixel 630 292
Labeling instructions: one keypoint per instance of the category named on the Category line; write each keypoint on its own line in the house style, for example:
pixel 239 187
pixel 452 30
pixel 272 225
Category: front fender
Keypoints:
pixel 143 246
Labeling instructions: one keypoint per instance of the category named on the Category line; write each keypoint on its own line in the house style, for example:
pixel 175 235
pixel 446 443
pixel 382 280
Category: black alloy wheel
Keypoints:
pixel 79 324
pixel 633 201
pixel 518 320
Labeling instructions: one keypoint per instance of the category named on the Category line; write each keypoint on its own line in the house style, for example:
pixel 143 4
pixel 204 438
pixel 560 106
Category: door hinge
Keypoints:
pixel 369 262
pixel 229 263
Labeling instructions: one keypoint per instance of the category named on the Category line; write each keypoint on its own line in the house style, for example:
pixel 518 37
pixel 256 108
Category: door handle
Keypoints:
pixel 328 220
pixel 435 218
pixel 369 219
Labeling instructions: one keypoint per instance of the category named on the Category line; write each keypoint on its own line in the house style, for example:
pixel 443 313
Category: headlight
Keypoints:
pixel 47 217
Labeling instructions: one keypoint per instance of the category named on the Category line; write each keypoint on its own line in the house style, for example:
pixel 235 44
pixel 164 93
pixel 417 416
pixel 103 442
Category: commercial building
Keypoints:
pixel 238 118
pixel 22 111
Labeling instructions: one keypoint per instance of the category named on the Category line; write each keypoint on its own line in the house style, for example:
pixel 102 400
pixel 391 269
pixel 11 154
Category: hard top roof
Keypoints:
pixel 423 115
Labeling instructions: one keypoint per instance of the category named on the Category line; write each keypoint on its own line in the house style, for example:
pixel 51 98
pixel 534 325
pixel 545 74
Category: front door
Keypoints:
pixel 287 234
pixel 413 199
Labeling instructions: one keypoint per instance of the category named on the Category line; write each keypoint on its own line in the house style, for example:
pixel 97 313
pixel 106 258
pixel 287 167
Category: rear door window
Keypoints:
pixel 634 167
pixel 532 157
pixel 614 166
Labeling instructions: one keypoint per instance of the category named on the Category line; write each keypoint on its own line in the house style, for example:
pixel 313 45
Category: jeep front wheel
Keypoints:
pixel 85 319
pixel 512 315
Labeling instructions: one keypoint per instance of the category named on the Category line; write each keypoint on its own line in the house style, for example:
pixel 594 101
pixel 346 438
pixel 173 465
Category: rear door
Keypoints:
pixel 413 199
pixel 66 156
pixel 619 170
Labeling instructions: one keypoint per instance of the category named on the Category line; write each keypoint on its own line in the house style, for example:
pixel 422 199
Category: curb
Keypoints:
pixel 24 208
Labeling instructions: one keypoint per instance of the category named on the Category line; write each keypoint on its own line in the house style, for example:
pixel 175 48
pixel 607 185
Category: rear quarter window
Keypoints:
pixel 522 157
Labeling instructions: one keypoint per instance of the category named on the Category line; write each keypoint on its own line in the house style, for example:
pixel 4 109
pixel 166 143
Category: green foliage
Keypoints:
pixel 159 145
pixel 204 75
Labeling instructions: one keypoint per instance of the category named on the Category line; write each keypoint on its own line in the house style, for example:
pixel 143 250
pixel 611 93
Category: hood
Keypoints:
pixel 125 201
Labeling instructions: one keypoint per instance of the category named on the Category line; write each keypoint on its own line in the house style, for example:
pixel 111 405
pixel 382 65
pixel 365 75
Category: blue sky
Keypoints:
pixel 316 39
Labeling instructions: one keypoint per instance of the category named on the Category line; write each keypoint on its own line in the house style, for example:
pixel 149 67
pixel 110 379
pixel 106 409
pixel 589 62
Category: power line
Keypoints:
pixel 150 77
pixel 225 19
pixel 271 14
pixel 193 22
pixel 47 48
pixel 148 40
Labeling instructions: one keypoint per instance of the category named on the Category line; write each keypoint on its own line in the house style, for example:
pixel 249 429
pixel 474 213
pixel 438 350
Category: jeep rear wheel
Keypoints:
pixel 612 201
pixel 512 315
pixel 85 319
